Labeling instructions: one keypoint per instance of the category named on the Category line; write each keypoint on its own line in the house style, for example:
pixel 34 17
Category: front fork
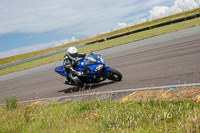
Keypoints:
pixel 106 72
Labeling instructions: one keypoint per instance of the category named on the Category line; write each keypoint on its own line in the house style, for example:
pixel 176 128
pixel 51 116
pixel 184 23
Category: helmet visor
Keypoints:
pixel 75 55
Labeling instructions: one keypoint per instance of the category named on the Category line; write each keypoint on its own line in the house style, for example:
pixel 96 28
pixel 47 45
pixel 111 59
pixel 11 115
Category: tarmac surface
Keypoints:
pixel 175 61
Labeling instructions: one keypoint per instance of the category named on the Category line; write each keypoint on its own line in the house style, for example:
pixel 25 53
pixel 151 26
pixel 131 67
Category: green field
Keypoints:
pixel 106 44
pixel 103 116
pixel 102 36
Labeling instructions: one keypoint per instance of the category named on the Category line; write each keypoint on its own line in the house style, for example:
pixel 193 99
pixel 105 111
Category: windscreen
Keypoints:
pixel 89 59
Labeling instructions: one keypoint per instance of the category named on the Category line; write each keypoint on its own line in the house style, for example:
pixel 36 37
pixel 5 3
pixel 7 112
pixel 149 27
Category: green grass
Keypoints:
pixel 102 36
pixel 107 44
pixel 104 116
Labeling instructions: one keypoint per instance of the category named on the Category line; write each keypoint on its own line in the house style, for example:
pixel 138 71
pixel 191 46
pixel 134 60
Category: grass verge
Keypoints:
pixel 102 36
pixel 106 44
pixel 104 116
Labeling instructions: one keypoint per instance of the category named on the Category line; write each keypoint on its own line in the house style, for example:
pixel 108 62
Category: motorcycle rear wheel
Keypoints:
pixel 114 75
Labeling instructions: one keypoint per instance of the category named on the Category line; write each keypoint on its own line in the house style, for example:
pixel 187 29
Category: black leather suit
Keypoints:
pixel 69 66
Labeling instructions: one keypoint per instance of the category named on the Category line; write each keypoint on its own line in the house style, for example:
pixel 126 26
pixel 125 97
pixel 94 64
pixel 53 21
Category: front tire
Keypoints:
pixel 114 75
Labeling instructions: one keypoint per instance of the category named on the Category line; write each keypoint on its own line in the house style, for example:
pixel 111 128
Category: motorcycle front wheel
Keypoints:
pixel 114 75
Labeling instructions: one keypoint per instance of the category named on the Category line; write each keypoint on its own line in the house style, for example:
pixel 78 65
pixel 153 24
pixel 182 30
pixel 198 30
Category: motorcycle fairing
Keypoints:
pixel 97 68
pixel 61 70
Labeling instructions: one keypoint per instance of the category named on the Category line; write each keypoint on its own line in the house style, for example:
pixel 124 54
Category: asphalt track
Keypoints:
pixel 168 62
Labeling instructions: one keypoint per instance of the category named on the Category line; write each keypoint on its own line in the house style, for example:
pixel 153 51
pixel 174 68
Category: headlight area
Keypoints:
pixel 102 59
pixel 98 67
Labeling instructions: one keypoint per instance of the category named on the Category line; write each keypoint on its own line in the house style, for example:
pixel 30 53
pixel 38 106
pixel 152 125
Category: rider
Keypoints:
pixel 69 62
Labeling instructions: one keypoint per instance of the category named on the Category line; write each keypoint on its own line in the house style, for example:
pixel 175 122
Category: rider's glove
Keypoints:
pixel 80 74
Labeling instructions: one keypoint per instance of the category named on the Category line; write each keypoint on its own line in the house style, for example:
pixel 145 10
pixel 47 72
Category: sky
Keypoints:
pixel 31 25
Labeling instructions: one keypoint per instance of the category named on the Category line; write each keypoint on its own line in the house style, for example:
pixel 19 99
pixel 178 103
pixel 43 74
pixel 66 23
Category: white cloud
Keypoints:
pixel 121 25
pixel 75 17
pixel 37 47
pixel 179 6
pixel 158 12
pixel 62 42
pixel 162 11
pixel 85 17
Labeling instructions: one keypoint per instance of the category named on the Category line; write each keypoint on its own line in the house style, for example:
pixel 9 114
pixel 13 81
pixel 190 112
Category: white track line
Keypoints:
pixel 117 91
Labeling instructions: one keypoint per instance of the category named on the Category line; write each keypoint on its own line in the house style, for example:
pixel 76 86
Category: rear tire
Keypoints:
pixel 114 75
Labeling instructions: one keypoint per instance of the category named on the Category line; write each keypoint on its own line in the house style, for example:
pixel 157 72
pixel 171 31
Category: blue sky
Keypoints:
pixel 30 25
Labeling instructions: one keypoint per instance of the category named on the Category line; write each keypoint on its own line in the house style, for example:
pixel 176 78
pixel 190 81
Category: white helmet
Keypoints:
pixel 72 53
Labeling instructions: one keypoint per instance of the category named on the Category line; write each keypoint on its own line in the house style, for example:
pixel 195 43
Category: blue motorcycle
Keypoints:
pixel 94 69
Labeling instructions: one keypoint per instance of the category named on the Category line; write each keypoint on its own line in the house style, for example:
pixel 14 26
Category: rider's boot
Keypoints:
pixel 70 82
